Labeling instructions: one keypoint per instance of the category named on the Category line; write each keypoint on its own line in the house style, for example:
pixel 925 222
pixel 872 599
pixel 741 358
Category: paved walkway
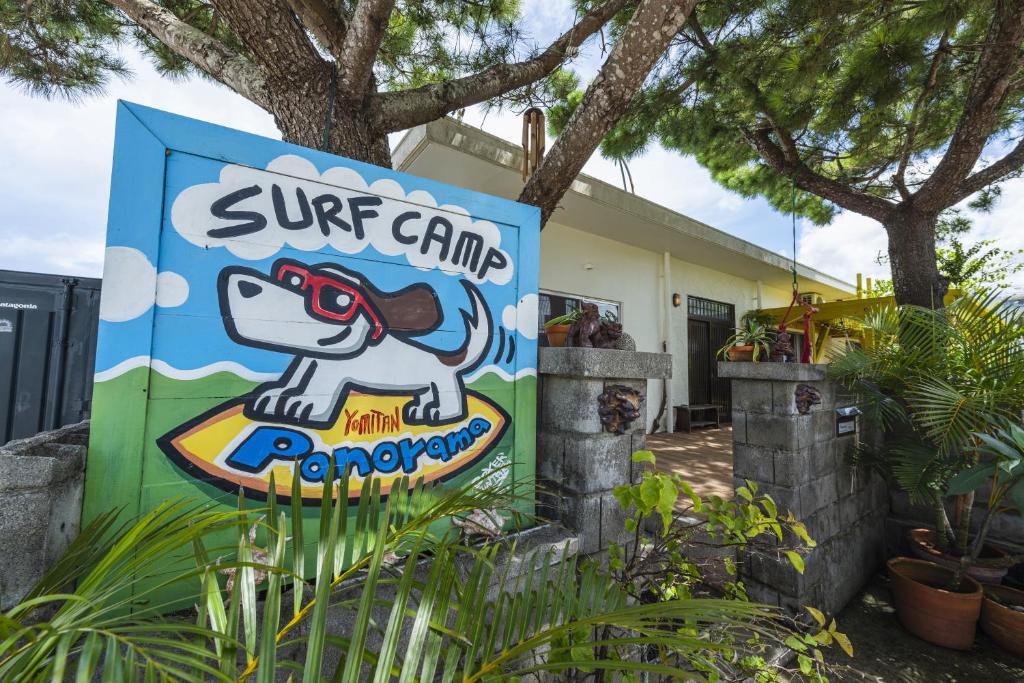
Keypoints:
pixel 703 458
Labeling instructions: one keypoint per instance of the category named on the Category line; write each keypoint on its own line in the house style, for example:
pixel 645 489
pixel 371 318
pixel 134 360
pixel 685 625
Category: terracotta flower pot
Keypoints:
pixel 927 609
pixel 1002 624
pixel 924 546
pixel 557 334
pixel 741 353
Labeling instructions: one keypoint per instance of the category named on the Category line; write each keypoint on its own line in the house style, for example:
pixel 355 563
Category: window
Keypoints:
pixel 553 304
pixel 706 309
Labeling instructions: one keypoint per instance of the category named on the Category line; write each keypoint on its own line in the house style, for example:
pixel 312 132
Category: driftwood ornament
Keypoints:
pixel 618 407
pixel 624 342
pixel 782 348
pixel 487 523
pixel 806 396
pixel 593 331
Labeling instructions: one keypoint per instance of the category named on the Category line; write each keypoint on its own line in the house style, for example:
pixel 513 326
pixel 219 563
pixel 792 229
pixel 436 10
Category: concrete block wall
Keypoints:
pixel 41 480
pixel 797 459
pixel 578 463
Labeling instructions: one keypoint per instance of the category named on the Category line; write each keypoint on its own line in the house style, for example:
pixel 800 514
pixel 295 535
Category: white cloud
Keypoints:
pixel 522 317
pixel 55 179
pixel 849 245
pixel 852 243
pixel 130 284
pixel 473 247
pixel 61 253
pixel 1003 225
pixel 171 289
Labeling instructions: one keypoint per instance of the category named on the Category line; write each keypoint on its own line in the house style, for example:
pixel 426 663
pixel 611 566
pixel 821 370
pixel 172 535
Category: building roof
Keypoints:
pixel 460 154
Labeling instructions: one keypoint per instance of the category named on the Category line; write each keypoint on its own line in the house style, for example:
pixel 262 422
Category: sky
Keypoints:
pixel 55 175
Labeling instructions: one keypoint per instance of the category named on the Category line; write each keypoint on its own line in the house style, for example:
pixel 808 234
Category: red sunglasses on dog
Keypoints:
pixel 330 298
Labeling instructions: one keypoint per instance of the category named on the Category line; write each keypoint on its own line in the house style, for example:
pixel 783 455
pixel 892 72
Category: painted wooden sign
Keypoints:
pixel 266 305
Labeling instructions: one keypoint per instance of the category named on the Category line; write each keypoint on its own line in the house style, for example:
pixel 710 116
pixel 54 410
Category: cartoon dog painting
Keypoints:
pixel 348 335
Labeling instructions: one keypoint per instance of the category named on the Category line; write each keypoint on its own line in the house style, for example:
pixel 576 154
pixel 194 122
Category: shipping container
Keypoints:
pixel 47 351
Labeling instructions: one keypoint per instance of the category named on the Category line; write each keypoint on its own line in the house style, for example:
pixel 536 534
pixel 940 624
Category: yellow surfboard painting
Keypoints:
pixel 370 438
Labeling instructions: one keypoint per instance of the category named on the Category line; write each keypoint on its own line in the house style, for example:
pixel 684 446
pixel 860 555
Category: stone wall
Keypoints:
pixel 784 440
pixel 578 462
pixel 41 481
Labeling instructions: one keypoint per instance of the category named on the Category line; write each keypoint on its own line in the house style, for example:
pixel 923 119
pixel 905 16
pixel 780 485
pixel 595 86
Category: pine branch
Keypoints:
pixel 399 110
pixel 273 35
pixel 899 177
pixel 647 35
pixel 324 21
pixel 784 157
pixel 205 52
pixel 993 173
pixel 359 50
pixel 997 66
pixel 806 179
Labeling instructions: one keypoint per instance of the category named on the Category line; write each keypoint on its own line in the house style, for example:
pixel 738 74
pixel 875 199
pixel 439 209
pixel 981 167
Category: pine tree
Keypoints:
pixel 887 108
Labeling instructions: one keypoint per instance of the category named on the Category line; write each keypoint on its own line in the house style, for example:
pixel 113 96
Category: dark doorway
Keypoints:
pixel 709 325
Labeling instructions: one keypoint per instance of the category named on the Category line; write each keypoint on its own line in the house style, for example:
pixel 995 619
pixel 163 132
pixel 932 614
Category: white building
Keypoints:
pixel 676 284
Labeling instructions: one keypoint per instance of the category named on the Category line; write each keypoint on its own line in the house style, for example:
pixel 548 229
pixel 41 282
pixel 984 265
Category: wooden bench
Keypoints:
pixel 697 415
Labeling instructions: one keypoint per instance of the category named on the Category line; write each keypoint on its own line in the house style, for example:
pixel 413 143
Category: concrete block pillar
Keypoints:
pixel 785 440
pixel 41 480
pixel 579 463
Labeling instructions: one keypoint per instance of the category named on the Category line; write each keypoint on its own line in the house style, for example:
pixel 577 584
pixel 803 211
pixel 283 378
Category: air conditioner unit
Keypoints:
pixel 812 298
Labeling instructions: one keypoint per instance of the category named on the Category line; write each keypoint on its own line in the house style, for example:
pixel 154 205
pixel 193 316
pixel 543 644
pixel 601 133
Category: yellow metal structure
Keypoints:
pixel 837 314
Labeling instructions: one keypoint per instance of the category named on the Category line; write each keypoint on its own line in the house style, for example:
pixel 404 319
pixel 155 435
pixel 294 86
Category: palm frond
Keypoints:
pixel 948 414
pixel 395 571
pixel 920 470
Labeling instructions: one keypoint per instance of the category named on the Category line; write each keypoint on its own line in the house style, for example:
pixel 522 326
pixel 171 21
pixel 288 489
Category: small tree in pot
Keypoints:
pixel 936 381
pixel 942 384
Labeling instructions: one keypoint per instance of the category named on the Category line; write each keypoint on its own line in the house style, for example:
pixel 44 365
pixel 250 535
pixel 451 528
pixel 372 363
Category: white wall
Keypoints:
pixel 620 272
pixel 633 276
pixel 690 279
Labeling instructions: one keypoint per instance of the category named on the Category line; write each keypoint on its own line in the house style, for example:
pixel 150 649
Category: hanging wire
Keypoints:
pixel 329 116
pixel 792 214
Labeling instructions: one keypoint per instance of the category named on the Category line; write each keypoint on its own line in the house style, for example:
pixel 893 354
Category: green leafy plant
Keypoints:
pixel 936 381
pixel 565 319
pixel 751 333
pixel 387 570
pixel 1002 466
pixel 759 317
pixel 683 546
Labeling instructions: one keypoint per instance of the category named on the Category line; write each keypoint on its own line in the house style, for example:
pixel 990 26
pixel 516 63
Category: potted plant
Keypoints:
pixel 1000 469
pixel 557 329
pixel 751 342
pixel 937 381
pixel 1002 617
pixel 759 317
pixel 933 603
pixel 943 385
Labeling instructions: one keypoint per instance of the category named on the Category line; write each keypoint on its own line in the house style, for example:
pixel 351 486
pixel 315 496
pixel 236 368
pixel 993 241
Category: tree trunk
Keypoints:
pixel 915 271
pixel 302 118
pixel 651 29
